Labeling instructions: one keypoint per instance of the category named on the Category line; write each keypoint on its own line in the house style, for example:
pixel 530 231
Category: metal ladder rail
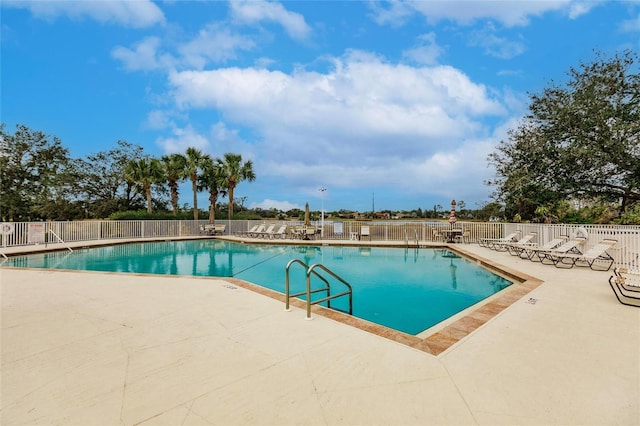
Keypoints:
pixel 334 275
pixel 287 293
pixel 61 240
pixel 406 239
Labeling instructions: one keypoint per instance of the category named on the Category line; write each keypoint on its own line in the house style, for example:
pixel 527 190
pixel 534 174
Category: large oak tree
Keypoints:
pixel 36 177
pixel 580 140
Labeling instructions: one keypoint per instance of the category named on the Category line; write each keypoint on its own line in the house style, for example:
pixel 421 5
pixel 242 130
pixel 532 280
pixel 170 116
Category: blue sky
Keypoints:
pixel 398 102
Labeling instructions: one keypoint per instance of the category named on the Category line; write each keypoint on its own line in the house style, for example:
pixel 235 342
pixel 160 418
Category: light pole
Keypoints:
pixel 322 191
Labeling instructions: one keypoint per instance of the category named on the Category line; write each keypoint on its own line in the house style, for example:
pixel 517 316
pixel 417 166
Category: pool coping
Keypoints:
pixel 442 336
pixel 435 340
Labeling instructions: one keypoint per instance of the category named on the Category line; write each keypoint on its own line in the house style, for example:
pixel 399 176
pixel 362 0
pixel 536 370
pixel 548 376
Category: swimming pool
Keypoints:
pixel 408 290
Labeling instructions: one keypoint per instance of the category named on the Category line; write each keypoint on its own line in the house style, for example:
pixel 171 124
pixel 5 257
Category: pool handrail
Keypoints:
pixel 288 295
pixel 308 291
pixel 329 297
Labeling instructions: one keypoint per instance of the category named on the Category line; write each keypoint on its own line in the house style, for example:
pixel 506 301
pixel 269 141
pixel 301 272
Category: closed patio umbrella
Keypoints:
pixel 307 221
pixel 452 215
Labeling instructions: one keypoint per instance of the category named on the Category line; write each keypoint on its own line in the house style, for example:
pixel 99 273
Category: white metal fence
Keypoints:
pixel 626 251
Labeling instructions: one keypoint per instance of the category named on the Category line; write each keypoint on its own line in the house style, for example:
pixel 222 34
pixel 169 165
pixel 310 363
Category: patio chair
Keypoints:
pixel 529 249
pixel 437 235
pixel 338 229
pixel 267 232
pixel 571 246
pixel 298 232
pixel 280 233
pixel 504 246
pixel 253 229
pixel 463 238
pixel 486 242
pixel 365 232
pixel 597 253
pixel 621 292
pixel 257 232
pixel 630 280
pixel 310 232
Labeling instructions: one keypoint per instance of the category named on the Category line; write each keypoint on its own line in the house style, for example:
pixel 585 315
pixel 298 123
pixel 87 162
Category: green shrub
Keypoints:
pixel 246 215
pixel 631 215
pixel 144 215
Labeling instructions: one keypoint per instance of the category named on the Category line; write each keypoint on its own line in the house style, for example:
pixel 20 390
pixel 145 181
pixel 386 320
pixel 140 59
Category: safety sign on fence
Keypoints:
pixel 7 228
pixel 36 233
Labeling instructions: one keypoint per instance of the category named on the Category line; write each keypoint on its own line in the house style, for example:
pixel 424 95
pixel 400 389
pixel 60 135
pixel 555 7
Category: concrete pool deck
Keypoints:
pixel 98 348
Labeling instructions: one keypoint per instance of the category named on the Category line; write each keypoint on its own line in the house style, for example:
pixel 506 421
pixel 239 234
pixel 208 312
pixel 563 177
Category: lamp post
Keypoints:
pixel 322 191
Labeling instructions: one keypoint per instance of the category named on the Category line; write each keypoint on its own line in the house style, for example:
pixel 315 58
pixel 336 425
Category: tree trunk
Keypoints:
pixel 195 199
pixel 147 190
pixel 213 198
pixel 174 198
pixel 231 202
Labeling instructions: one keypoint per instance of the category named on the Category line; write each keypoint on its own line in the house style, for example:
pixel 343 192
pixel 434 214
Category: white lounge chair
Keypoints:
pixel 338 229
pixel 629 279
pixel 568 247
pixel 596 254
pixel 626 294
pixel 267 232
pixel 257 232
pixel 486 242
pixel 529 249
pixel 280 233
pixel 254 228
pixel 365 232
pixel 504 246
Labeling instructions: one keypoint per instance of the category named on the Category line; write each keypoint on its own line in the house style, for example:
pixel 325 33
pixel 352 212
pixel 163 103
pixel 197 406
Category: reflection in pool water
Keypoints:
pixel 408 290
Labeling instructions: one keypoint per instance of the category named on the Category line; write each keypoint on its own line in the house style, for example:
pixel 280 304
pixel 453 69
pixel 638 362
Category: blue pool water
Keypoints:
pixel 405 289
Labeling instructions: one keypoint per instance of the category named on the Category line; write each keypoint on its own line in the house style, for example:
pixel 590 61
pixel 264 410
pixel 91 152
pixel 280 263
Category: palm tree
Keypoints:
pixel 212 181
pixel 235 171
pixel 174 167
pixel 145 172
pixel 194 162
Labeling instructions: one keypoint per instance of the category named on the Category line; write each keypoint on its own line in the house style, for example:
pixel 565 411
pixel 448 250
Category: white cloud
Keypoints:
pixel 143 56
pixel 129 13
pixel 256 11
pixel 580 7
pixel 426 52
pixel 159 120
pixel 227 139
pixel 466 12
pixel 214 43
pixel 364 123
pixel 494 45
pixel 183 138
pixel 268 204
pixel 631 25
pixel 392 12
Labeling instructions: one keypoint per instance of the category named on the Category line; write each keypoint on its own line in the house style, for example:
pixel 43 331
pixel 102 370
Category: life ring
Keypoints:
pixel 7 228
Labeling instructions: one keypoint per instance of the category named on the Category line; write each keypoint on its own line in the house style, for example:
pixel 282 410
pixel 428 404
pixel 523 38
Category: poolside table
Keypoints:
pixel 450 234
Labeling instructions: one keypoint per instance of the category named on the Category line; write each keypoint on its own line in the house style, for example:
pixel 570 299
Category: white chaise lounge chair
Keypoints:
pixel 487 242
pixel 627 293
pixel 365 232
pixel 526 251
pixel 569 247
pixel 504 246
pixel 595 255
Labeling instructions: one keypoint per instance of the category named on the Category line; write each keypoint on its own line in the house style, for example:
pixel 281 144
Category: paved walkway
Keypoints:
pixel 113 349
